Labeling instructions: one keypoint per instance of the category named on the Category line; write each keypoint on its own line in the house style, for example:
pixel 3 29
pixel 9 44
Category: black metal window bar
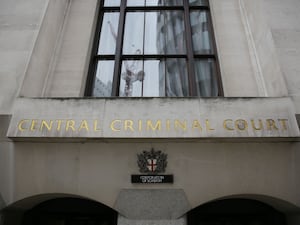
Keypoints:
pixel 155 48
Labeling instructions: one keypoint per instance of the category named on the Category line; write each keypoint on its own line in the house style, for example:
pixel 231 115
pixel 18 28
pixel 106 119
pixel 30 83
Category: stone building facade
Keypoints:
pixel 68 159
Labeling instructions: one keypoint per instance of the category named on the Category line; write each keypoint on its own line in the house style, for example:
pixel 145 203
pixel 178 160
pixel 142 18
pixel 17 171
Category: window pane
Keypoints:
pixel 154 2
pixel 112 3
pixel 104 78
pixel 134 33
pixel 151 84
pixel 135 2
pixel 151 33
pixel 198 2
pixel 154 33
pixel 154 78
pixel 107 44
pixel 170 2
pixel 176 78
pixel 202 41
pixel 132 77
pixel 206 77
pixel 171 32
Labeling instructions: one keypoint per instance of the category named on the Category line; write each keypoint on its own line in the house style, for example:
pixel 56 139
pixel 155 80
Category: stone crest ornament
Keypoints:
pixel 152 162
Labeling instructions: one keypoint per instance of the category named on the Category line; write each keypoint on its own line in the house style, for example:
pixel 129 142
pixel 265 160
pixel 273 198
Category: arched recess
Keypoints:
pixel 236 211
pixel 58 209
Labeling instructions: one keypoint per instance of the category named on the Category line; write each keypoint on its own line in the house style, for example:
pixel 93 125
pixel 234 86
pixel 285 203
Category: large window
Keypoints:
pixel 154 48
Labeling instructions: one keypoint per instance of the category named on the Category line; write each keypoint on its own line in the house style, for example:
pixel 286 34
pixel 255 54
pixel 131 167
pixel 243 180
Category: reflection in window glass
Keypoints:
pixel 171 33
pixel 170 3
pixel 198 2
pixel 152 55
pixel 176 79
pixel 140 78
pixel 151 33
pixel 135 2
pixel 151 86
pixel 134 33
pixel 107 44
pixel 200 33
pixel 154 78
pixel 154 33
pixel 154 3
pixel 103 79
pixel 132 77
pixel 112 3
pixel 206 77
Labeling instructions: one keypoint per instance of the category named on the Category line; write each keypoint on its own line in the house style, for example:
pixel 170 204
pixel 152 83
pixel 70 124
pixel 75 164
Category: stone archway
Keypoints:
pixel 236 211
pixel 70 211
pixel 58 210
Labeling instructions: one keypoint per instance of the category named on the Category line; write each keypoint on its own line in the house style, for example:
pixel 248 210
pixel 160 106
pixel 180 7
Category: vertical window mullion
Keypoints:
pixel 118 54
pixel 143 52
pixel 190 53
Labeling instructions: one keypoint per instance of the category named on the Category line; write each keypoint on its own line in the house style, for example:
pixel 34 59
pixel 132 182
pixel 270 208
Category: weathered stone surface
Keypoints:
pixel 124 221
pixel 152 204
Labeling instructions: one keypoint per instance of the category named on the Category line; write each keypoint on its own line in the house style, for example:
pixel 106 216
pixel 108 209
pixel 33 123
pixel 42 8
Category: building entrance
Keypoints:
pixel 70 211
pixel 235 212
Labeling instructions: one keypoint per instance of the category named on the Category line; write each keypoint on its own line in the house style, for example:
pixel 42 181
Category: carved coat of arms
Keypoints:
pixel 152 162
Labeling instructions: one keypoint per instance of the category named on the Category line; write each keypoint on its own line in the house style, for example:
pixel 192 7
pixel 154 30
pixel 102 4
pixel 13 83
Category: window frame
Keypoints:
pixel 118 57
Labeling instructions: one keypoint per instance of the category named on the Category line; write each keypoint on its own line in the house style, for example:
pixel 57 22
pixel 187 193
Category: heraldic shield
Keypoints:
pixel 152 162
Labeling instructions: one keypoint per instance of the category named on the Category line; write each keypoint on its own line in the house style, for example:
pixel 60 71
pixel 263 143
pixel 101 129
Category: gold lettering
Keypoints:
pixel 84 125
pixel 33 125
pixel 208 127
pixel 180 124
pixel 197 125
pixel 151 125
pixel 271 124
pixel 128 125
pixel 59 124
pixel 283 123
pixel 260 125
pixel 241 125
pixel 157 125
pixel 112 125
pixel 168 124
pixel 20 125
pixel 70 125
pixel 45 124
pixel 96 126
pixel 225 125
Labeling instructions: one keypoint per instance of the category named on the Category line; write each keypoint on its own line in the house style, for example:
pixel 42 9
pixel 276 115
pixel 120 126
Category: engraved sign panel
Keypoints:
pixel 154 118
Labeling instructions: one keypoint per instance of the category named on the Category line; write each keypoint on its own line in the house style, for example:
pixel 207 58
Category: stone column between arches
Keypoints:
pixel 148 206
pixel 124 221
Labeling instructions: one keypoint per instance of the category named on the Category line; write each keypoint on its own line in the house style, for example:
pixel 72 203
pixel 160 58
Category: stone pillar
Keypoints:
pixel 124 221
pixel 152 204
